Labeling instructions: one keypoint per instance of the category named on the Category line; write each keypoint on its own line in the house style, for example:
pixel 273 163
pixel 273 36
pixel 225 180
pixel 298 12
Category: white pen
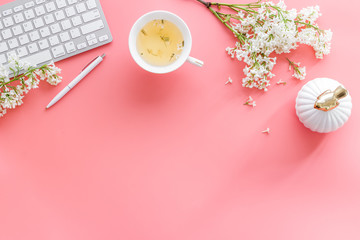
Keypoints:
pixel 73 83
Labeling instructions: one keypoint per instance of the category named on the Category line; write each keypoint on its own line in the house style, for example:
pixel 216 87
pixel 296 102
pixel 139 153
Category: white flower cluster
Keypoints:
pixel 25 78
pixel 250 102
pixel 266 28
pixel 299 72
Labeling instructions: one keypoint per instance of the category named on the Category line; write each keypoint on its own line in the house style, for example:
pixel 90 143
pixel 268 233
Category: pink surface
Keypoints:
pixel 131 155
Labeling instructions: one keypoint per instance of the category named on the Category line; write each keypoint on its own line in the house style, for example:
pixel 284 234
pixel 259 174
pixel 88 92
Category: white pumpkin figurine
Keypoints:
pixel 323 105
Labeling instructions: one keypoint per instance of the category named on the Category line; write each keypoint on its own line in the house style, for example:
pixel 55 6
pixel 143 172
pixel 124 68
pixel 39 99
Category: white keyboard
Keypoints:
pixel 40 31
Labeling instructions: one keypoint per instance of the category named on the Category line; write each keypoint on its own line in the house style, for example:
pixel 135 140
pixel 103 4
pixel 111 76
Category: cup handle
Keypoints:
pixel 195 61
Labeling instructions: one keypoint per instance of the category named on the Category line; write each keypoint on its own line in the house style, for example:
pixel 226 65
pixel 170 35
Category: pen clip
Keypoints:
pixel 89 63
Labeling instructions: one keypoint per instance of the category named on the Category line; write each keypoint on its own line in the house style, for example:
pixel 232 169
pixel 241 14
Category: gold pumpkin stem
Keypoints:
pixel 329 100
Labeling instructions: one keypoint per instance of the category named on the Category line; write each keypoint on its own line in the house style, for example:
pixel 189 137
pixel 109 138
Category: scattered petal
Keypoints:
pixel 267 131
pixel 250 102
pixel 229 81
pixel 281 82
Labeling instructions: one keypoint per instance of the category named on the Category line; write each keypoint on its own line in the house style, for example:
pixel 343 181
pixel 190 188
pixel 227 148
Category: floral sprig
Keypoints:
pixel 250 102
pixel 299 72
pixel 281 82
pixel 263 28
pixel 229 81
pixel 24 78
pixel 266 131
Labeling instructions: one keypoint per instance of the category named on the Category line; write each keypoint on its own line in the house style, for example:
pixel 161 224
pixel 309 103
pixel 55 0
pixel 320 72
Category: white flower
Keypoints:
pixel 32 82
pixel 229 81
pixel 267 131
pixel 53 72
pixel 300 73
pixel 281 82
pixel 26 77
pixel 250 102
pixel 272 28
pixel 11 99
pixel 4 74
pixel 2 111
pixel 16 64
pixel 323 45
pixel 310 14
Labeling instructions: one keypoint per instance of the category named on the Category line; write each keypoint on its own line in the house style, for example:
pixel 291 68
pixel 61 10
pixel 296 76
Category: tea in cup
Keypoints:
pixel 160 42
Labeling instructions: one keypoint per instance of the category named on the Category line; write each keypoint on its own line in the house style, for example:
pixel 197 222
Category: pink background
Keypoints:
pixel 132 155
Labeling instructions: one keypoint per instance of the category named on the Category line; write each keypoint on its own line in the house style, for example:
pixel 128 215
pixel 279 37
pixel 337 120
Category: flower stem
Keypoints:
pixel 309 25
pixel 217 14
pixel 18 76
pixel 207 4
pixel 239 36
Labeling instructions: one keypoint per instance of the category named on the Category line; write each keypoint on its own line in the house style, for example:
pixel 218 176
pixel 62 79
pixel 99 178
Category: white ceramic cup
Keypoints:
pixel 185 54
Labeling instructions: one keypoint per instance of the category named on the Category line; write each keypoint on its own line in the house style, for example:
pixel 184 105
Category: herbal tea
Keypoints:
pixel 160 42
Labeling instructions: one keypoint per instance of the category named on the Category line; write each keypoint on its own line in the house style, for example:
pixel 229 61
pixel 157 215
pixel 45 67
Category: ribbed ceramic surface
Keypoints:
pixel 317 120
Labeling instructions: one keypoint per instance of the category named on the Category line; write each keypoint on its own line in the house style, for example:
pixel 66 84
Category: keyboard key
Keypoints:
pixel 2 59
pixel 81 7
pixel 90 37
pixel 40 1
pixel 6 34
pixel 1 25
pixel 24 39
pixel 19 18
pixel 7 12
pixel 50 7
pixel 34 36
pixel 103 38
pixel 58 51
pixel 55 28
pixel 13 43
pixel 49 19
pixel 17 30
pixel 45 32
pixel 92 27
pixel 11 53
pixel 40 10
pixel 61 3
pixel 29 14
pixel 66 24
pixel 59 15
pixel 28 26
pixel 76 21
pixel 43 44
pixel 18 8
pixel 81 45
pixel 70 11
pixel 75 33
pixel 33 48
pixel 40 57
pixel 72 2
pixel 8 22
pixel 29 4
pixel 70 47
pixel 64 37
pixel 3 47
pixel 54 40
pixel 93 42
pixel 91 4
pixel 39 23
pixel 92 15
pixel 22 52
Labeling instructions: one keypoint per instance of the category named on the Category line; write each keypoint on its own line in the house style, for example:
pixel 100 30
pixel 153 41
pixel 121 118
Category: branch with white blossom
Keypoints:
pixel 262 28
pixel 25 78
